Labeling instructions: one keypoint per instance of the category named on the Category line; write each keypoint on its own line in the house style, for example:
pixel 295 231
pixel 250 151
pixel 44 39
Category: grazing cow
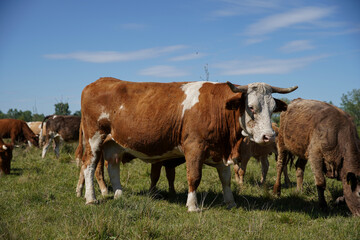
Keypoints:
pixel 18 131
pixel 37 130
pixel 325 136
pixel 260 152
pixel 60 128
pixel 201 121
pixel 5 157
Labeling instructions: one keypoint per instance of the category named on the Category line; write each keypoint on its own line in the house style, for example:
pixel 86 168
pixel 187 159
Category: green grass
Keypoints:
pixel 38 201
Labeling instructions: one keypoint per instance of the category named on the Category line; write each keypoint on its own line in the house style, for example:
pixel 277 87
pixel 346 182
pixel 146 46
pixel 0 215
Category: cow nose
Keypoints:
pixel 269 138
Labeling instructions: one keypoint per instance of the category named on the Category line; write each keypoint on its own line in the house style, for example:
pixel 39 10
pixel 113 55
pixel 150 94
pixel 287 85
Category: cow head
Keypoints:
pixel 256 107
pixel 352 192
pixel 5 158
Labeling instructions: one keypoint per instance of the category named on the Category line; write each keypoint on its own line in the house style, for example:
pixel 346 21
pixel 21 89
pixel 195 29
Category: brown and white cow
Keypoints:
pixel 38 130
pixel 5 157
pixel 261 153
pixel 18 131
pixel 325 136
pixel 201 121
pixel 60 128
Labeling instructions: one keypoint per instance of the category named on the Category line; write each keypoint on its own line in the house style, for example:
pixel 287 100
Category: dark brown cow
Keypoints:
pixel 201 121
pixel 325 136
pixel 5 157
pixel 60 128
pixel 18 131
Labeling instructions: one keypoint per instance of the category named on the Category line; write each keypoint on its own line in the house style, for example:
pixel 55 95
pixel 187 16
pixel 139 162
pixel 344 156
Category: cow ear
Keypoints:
pixel 351 180
pixel 280 105
pixel 234 103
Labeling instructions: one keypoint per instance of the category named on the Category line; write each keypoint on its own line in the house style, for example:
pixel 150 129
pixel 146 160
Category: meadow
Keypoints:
pixel 38 201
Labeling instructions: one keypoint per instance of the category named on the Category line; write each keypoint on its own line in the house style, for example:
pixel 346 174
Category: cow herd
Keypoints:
pixel 197 123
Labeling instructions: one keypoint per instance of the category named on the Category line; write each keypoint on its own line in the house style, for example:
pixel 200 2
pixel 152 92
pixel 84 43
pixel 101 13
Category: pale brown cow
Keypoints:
pixel 60 128
pixel 5 157
pixel 325 136
pixel 201 121
pixel 18 131
pixel 261 153
pixel 38 130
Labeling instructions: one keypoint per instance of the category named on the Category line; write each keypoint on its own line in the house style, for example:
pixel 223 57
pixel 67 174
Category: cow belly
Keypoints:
pixel 113 150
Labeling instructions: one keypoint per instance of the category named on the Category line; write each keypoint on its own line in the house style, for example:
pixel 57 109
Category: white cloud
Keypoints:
pixel 261 66
pixel 251 41
pixel 112 56
pixel 163 71
pixel 297 46
pixel 283 20
pixel 188 57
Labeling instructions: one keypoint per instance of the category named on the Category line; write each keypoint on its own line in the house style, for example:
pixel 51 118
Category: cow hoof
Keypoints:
pixel 193 209
pixel 92 202
pixel 118 194
pixel 231 205
pixel 340 200
pixel 104 192
pixel 78 194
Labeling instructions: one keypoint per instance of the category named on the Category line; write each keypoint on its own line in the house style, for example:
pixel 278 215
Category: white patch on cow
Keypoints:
pixel 95 142
pixel 4 147
pixel 104 115
pixel 191 202
pixel 192 92
pixel 121 107
pixel 89 186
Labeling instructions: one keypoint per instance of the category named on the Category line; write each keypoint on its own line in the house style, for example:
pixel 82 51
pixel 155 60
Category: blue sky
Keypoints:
pixel 50 50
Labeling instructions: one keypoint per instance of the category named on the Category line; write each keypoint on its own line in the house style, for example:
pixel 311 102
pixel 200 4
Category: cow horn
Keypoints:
pixel 283 90
pixel 242 89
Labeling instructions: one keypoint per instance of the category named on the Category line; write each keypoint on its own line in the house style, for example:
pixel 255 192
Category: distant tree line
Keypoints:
pixel 61 108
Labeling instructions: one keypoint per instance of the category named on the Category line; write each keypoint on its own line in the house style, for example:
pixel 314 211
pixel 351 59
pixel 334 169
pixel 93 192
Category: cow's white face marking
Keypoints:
pixel 256 122
pixel 192 92
pixel 4 147
pixel 104 115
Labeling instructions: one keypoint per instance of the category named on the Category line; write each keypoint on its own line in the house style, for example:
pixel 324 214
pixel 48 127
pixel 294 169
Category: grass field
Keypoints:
pixel 38 201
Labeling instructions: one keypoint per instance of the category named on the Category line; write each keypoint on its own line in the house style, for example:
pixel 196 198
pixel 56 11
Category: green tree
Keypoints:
pixel 62 108
pixel 77 113
pixel 350 103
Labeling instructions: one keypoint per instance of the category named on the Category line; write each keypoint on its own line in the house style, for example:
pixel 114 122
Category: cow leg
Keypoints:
pixel 240 173
pixel 46 146
pixel 281 162
pixel 99 174
pixel 300 168
pixel 91 158
pixel 114 174
pixel 194 161
pixel 286 176
pixel 264 168
pixel 81 181
pixel 57 146
pixel 170 175
pixel 225 178
pixel 316 164
pixel 155 175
